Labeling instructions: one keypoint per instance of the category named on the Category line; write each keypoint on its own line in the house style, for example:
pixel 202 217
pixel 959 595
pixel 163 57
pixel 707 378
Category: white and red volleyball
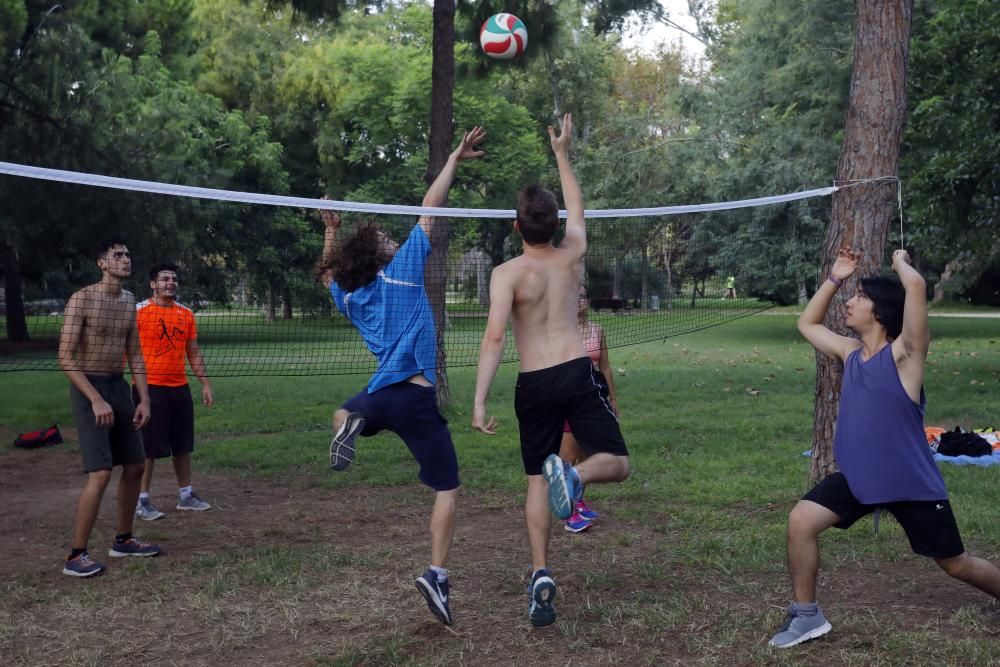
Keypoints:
pixel 503 36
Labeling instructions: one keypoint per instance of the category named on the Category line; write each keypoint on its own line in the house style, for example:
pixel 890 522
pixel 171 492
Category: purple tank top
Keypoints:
pixel 880 444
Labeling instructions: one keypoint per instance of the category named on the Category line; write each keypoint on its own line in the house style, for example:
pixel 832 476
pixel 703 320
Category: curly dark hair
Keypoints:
pixel 360 259
pixel 537 214
pixel 887 296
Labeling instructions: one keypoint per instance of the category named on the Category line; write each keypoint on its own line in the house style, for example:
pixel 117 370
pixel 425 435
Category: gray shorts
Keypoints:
pixel 103 447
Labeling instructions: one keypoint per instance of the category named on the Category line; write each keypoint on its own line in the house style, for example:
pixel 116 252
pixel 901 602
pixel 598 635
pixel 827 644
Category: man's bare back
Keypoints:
pixel 544 283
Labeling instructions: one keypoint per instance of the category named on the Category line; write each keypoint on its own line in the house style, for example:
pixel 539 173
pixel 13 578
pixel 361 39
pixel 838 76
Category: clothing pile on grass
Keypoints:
pixel 979 447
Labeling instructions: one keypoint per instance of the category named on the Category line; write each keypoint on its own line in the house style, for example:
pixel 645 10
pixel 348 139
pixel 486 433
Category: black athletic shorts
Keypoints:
pixel 573 392
pixel 929 524
pixel 411 412
pixel 103 447
pixel 170 430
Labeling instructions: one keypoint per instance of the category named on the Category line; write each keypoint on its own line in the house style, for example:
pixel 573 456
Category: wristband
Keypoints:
pixel 835 281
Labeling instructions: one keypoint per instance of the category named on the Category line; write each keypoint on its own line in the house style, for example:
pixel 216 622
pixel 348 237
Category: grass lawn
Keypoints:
pixel 716 422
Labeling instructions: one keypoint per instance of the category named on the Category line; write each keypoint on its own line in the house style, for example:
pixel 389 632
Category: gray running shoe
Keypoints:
pixel 800 627
pixel 145 511
pixel 193 502
pixel 342 445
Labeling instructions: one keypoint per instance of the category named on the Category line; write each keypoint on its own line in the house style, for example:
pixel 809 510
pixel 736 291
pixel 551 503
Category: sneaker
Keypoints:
pixel 800 627
pixel 194 503
pixel 133 547
pixel 584 510
pixel 82 566
pixel 541 593
pixel 577 523
pixel 342 445
pixel 436 594
pixel 145 511
pixel 564 486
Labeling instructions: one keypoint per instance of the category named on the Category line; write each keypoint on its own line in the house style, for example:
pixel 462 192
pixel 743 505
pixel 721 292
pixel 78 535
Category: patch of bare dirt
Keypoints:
pixel 277 575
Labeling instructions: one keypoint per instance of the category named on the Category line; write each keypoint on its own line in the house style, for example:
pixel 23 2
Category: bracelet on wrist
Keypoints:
pixel 836 281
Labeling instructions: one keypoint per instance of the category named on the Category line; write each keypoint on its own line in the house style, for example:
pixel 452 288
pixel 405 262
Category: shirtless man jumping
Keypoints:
pixel 98 334
pixel 538 292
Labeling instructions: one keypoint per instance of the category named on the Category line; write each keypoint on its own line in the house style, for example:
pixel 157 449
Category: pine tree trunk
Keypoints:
pixel 441 134
pixel 861 215
pixel 286 305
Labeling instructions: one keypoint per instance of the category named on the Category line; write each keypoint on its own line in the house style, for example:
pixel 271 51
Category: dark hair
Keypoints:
pixel 537 214
pixel 359 260
pixel 887 296
pixel 154 272
pixel 104 245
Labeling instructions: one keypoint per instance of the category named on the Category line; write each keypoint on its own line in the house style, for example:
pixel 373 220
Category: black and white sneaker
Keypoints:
pixel 436 594
pixel 342 445
pixel 541 594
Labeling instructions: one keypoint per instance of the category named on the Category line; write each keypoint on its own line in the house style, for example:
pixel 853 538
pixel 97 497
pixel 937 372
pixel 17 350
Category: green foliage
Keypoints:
pixel 953 140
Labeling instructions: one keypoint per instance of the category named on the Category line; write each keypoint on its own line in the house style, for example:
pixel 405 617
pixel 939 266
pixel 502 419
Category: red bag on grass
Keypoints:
pixel 45 436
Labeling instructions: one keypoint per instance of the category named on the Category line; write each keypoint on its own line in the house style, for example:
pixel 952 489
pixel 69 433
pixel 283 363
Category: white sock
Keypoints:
pixel 442 573
pixel 143 496
pixel 185 492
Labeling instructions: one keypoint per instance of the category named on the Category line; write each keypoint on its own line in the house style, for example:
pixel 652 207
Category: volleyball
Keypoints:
pixel 503 36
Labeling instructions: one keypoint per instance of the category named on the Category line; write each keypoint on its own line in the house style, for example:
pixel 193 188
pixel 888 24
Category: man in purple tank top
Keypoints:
pixel 879 445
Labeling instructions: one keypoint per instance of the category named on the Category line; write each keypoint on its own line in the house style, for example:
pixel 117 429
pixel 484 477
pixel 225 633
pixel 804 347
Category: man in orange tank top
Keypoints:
pixel 168 337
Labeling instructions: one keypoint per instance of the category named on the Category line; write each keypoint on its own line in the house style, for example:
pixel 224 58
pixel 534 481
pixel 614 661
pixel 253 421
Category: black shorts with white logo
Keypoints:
pixel 573 392
pixel 929 524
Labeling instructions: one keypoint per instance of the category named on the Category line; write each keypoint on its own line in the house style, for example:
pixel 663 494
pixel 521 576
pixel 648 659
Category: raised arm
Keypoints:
pixel 910 349
pixel 330 256
pixel 576 231
pixel 437 194
pixel 491 349
pixel 811 320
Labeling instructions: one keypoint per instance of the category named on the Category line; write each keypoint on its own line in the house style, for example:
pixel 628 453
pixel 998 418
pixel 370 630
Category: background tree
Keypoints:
pixel 873 133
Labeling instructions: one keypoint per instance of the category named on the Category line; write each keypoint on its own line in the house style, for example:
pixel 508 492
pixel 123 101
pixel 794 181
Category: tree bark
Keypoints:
pixel 17 325
pixel 441 134
pixel 286 303
pixel 861 215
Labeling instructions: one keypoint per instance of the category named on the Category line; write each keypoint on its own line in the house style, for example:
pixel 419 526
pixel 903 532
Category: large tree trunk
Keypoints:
pixel 442 88
pixel 861 215
pixel 17 325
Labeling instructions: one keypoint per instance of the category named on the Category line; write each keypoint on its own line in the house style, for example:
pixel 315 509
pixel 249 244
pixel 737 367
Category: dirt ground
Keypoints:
pixel 292 574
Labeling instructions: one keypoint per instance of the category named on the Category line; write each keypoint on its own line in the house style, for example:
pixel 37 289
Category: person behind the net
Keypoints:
pixel 879 444
pixel 596 345
pixel 538 292
pixel 98 335
pixel 379 287
pixel 168 336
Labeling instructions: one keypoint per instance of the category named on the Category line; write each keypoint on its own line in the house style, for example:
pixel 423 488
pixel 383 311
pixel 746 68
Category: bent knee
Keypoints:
pixel 957 567
pixel 624 469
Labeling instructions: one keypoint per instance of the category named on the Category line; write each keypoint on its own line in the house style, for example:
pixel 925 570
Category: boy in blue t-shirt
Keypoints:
pixel 879 445
pixel 379 287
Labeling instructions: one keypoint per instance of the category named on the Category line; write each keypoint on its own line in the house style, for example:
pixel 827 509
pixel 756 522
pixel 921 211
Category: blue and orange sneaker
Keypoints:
pixel 82 566
pixel 133 547
pixel 577 523
pixel 541 593
pixel 584 510
pixel 564 486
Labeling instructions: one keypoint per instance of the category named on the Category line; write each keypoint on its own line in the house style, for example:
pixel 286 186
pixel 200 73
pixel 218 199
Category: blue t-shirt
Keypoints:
pixel 393 316
pixel 880 444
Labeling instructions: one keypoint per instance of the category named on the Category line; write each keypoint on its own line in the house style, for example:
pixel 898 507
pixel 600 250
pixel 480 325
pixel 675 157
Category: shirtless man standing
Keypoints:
pixel 537 292
pixel 98 334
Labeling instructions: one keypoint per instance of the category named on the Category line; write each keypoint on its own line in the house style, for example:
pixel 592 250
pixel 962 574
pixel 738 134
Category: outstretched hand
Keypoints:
pixel 466 149
pixel 845 265
pixel 330 217
pixel 560 143
pixel 899 258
